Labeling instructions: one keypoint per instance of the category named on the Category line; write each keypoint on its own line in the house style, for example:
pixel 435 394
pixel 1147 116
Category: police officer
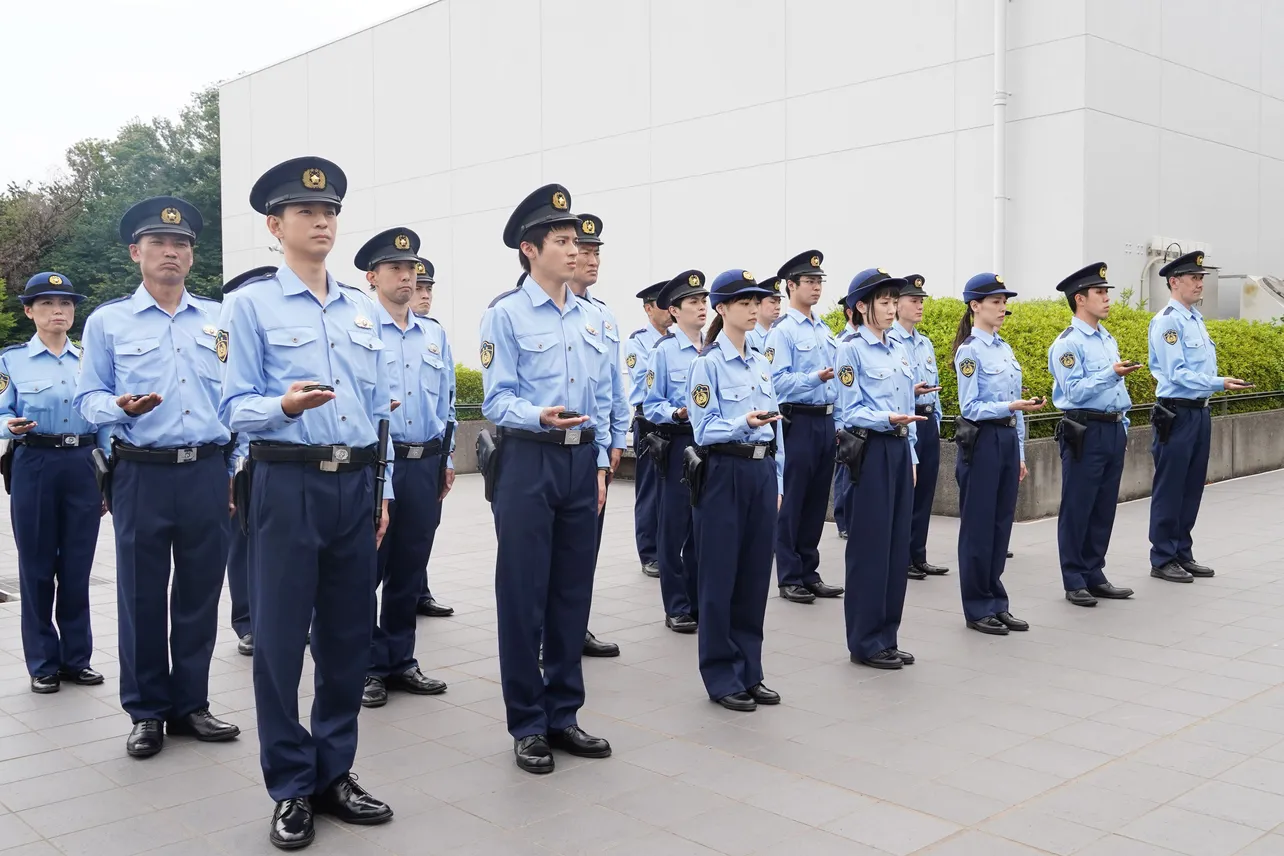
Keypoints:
pixel 149 371
pixel 587 264
pixel 645 481
pixel 306 384
pixel 540 348
pixel 730 399
pixel 876 407
pixel 56 507
pixel 421 303
pixel 768 312
pixel 801 350
pixel 842 485
pixel 1183 360
pixel 991 458
pixel 422 379
pixel 927 403
pixel 1088 387
pixel 686 299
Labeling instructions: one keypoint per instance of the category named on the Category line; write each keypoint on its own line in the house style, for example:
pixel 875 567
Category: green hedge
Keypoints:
pixel 468 390
pixel 1252 350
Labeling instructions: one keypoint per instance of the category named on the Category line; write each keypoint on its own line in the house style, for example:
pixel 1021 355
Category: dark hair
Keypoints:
pixel 1074 305
pixel 881 291
pixel 965 329
pixel 715 327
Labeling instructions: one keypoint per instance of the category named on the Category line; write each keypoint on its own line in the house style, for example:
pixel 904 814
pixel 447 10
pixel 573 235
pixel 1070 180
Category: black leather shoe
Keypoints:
pixel 798 594
pixel 990 625
pixel 576 741
pixel 822 589
pixel 292 827
pixel 45 684
pixel 1195 569
pixel 742 702
pixel 842 536
pixel 907 658
pixel 413 680
pixel 1110 592
pixel 1009 554
pixel 85 677
pixel 651 569
pixel 915 574
pixel 533 754
pixel 681 623
pixel 347 801
pixel 375 694
pixel 1081 597
pixel 930 569
pixel 1173 573
pixel 431 608
pixel 882 660
pixel 146 739
pixel 245 646
pixel 1013 623
pixel 202 725
pixel 594 647
pixel 762 695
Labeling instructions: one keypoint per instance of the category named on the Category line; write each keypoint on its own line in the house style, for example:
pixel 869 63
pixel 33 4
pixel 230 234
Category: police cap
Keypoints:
pixel 161 215
pixel 305 179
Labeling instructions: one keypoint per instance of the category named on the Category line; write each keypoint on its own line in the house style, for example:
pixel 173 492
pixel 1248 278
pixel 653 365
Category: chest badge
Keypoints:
pixel 608 326
pixel 487 354
pixel 1170 336
pixel 968 367
pixel 209 330
pixel 363 322
pixel 220 345
pixel 770 354
pixel 764 377
pixel 700 395
pixel 589 327
pixel 433 349
pixel 1067 360
pixel 847 375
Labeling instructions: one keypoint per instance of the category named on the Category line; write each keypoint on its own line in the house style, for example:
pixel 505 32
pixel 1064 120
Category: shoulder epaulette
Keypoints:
pixel 665 336
pixel 637 332
pixel 105 303
pixel 708 347
pixel 776 323
pixel 969 340
pixel 364 291
pixel 261 278
pixel 433 320
pixel 15 347
pixel 508 293
pixel 1065 332
pixel 1168 310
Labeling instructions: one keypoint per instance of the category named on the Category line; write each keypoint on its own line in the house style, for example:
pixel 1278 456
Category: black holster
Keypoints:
pixel 1161 421
pixel 488 463
pixel 657 446
pixel 1072 433
pixel 241 493
pixel 966 433
pixel 102 473
pixel 851 451
pixel 6 465
pixel 695 471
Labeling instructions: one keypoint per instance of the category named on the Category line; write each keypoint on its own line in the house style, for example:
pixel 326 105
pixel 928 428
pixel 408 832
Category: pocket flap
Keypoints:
pixel 290 337
pixel 538 342
pixel 734 393
pixel 31 387
pixel 434 361
pixel 134 347
pixel 365 340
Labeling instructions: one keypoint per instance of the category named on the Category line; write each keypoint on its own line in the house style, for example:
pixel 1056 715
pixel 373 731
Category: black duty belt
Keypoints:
pixel 330 459
pixel 1188 403
pixel 896 431
pixel 753 451
pixel 415 451
pixel 179 455
pixel 58 441
pixel 1009 422
pixel 924 409
pixel 581 437
pixel 807 409
pixel 1095 415
pixel 673 429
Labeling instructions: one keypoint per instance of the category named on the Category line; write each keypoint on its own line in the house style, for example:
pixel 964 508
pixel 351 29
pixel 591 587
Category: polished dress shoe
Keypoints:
pixel 431 608
pixel 533 754
pixel 842 536
pixel 681 623
pixel 1009 554
pixel 1173 573
pixel 1195 569
pixel 375 693
pixel 202 725
pixel 347 801
pixel 85 677
pixel 821 589
pixel 1081 597
pixel 594 647
pixel 798 594
pixel 651 569
pixel 576 741
pixel 45 684
pixel 146 739
pixel 1013 623
pixel 762 695
pixel 742 702
pixel 413 680
pixel 245 646
pixel 990 625
pixel 292 827
pixel 1110 592
pixel 907 658
pixel 915 574
pixel 930 569
pixel 882 660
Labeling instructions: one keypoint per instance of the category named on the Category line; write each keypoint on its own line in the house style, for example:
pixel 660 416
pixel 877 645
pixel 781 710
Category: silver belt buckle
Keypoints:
pixel 572 437
pixel 901 431
pixel 928 408
pixel 70 440
pixel 414 453
pixel 759 452
pixel 185 456
pixel 338 455
pixel 829 409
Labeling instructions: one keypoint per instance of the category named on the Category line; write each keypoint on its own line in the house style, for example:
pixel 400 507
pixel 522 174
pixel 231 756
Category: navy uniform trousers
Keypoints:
pixel 928 447
pixel 878 546
pixel 645 505
pixel 735 528
pixel 987 506
pixel 313 563
pixel 238 578
pixel 167 633
pixel 809 467
pixel 403 559
pixel 55 510
pixel 545 510
pixel 1181 467
pixel 1089 497
pixel 841 482
pixel 678 554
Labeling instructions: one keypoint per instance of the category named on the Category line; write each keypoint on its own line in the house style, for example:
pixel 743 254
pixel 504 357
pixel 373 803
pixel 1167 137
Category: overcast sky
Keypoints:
pixel 84 68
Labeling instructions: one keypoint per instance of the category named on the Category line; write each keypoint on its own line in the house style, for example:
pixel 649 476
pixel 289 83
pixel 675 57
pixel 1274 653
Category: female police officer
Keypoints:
pixel 732 402
pixel 991 455
pixel 876 409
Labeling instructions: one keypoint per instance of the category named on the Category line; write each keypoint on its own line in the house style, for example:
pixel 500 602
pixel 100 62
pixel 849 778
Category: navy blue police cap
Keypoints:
pixel 1189 263
pixel 49 284
pixel 549 205
pixel 985 285
pixel 161 215
pixel 803 264
pixel 305 179
pixel 867 282
pixel 589 230
pixel 1088 276
pixel 397 244
pixel 424 271
pixel 913 286
pixel 241 278
pixel 689 283
pixel 651 292
pixel 733 284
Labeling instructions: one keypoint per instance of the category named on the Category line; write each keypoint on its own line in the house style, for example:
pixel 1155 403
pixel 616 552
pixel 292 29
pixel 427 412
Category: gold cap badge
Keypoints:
pixel 559 201
pixel 55 280
pixel 693 281
pixel 314 179
pixel 1102 273
pixel 998 279
pixel 815 261
pixel 918 282
pixel 420 269
pixel 1199 259
pixel 171 216
pixel 589 227
pixel 401 242
pixel 747 275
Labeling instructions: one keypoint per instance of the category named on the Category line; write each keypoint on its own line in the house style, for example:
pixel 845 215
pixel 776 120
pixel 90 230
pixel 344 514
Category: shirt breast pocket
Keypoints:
pixel 1093 366
pixel 32 400
pixel 207 363
pixel 431 376
pixel 808 356
pixel 678 386
pixel 286 355
pixel 735 401
pixel 138 364
pixel 877 378
pixel 540 356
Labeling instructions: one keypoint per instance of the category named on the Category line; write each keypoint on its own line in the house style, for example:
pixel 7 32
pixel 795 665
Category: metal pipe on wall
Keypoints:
pixel 1000 133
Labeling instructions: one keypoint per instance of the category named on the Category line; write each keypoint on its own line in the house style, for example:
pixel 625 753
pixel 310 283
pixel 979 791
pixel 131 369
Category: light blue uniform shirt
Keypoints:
pixel 421 375
pixel 798 348
pixel 280 333
pixel 922 357
pixel 40 385
pixel 1183 358
pixel 989 379
pixel 1082 363
pixel 535 355
pixel 133 346
pixel 757 338
pixel 666 379
pixel 242 450
pixel 638 361
pixel 620 417
pixel 875 381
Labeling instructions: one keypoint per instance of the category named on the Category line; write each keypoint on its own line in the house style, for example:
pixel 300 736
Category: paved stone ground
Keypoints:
pixel 1148 728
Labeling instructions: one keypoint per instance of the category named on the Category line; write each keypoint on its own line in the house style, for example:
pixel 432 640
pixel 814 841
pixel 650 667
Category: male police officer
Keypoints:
pixel 421 303
pixel 150 371
pixel 1183 360
pixel 423 382
pixel 540 349
pixel 768 312
pixel 646 508
pixel 1088 388
pixel 306 384
pixel 801 351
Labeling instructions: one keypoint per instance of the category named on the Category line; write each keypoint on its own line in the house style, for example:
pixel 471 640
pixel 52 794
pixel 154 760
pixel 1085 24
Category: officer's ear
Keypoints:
pixel 275 225
pixel 370 277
